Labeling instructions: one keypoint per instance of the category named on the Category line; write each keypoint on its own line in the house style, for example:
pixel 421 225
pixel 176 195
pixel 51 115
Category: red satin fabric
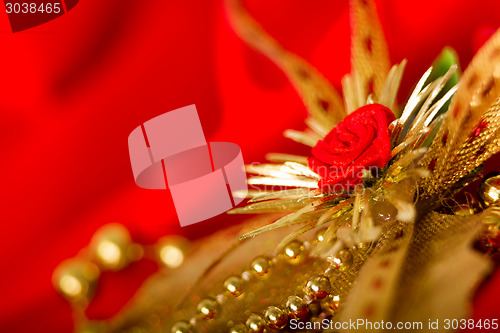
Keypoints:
pixel 73 89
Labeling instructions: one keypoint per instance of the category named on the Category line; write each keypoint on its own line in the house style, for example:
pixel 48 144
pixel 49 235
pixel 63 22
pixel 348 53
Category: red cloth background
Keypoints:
pixel 73 89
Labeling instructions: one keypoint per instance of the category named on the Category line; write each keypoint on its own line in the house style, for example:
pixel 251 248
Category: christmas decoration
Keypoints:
pixel 362 228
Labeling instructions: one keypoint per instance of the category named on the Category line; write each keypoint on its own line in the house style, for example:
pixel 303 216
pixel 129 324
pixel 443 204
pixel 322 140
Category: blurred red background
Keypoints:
pixel 72 90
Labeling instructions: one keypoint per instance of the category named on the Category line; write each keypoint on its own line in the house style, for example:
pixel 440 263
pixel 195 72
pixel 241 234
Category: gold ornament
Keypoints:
pixel 255 323
pixel 320 235
pixel 181 327
pixel 76 279
pixel 238 328
pixel 489 190
pixel 171 250
pixel 318 286
pixel 275 317
pixel 112 247
pixel 490 237
pixel 234 285
pixel 331 304
pixel 384 212
pixel 296 307
pixel 294 252
pixel 208 308
pixel 260 266
pixel 342 260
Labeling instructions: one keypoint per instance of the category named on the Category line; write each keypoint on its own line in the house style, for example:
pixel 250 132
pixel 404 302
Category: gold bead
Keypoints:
pixel 260 266
pixel 296 307
pixel 490 237
pixel 255 323
pixel 234 285
pixel 320 235
pixel 331 304
pixel 238 328
pixel 275 317
pixel 364 247
pixel 294 252
pixel 181 327
pixel 342 260
pixel 171 250
pixel 489 189
pixel 76 279
pixel 208 308
pixel 112 247
pixel 383 212
pixel 318 286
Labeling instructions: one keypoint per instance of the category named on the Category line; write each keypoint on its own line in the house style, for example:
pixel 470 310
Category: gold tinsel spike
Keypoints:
pixel 320 98
pixel 391 86
pixel 281 158
pixel 273 170
pixel 249 193
pixel 271 206
pixel 302 170
pixel 290 237
pixel 350 97
pixel 289 194
pixel 287 220
pixel 415 97
pixel 395 84
pixel 295 182
pixel 429 102
pixel 335 210
pixel 369 55
pixel 317 127
pixel 301 137
pixel 436 107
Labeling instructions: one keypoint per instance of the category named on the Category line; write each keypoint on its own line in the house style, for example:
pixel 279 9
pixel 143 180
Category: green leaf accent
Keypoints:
pixel 440 66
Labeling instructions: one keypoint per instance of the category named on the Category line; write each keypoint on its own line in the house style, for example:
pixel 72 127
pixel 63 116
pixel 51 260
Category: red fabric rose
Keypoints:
pixel 360 141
